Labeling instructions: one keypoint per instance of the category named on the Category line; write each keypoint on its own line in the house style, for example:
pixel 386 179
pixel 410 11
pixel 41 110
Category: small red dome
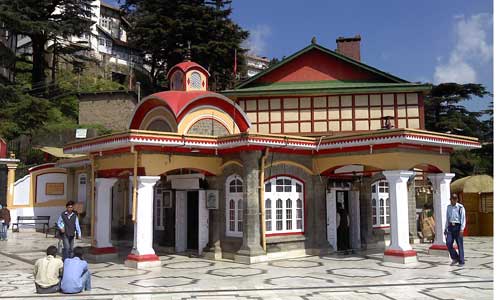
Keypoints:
pixel 186 66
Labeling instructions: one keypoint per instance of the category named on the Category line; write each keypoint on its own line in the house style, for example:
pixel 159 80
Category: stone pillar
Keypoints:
pixel 11 179
pixel 103 249
pixel 251 250
pixel 412 211
pixel 213 249
pixel 317 217
pixel 143 256
pixel 441 199
pixel 399 250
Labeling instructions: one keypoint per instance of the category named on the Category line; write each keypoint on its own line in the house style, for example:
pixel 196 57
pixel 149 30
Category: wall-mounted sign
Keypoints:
pixel 81 133
pixel 212 199
pixel 167 199
pixel 54 188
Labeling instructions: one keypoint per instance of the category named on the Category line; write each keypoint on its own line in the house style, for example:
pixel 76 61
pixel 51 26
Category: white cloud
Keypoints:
pixel 257 41
pixel 470 52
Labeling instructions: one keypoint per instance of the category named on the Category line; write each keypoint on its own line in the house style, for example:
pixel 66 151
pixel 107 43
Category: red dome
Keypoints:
pixel 181 102
pixel 186 66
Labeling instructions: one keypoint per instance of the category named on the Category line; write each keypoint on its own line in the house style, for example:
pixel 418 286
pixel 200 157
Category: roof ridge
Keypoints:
pixel 327 51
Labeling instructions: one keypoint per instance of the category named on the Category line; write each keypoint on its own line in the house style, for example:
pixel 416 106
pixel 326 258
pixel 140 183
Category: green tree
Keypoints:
pixel 21 113
pixel 445 113
pixel 43 21
pixel 163 28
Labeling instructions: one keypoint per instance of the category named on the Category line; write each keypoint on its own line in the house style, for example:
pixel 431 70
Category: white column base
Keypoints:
pixel 400 256
pixel 143 265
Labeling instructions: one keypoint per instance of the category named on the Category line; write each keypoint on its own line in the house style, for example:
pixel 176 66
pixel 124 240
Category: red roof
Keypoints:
pixel 187 65
pixel 181 102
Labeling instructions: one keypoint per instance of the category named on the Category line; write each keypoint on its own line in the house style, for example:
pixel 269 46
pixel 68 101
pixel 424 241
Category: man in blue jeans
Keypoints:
pixel 76 275
pixel 68 224
pixel 455 225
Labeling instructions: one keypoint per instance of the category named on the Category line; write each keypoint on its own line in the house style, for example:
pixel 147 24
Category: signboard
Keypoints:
pixel 81 133
pixel 212 199
pixel 54 188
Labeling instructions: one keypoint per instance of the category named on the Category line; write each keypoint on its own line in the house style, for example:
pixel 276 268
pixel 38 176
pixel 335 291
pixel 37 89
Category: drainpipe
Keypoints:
pixel 134 190
pixel 262 201
pixel 92 198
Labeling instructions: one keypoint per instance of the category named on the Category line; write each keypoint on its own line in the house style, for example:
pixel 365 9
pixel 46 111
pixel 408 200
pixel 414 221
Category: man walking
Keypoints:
pixel 68 224
pixel 455 224
pixel 48 271
pixel 4 222
pixel 76 275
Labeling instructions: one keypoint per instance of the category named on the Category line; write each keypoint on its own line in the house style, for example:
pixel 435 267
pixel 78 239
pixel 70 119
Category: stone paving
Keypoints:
pixel 358 276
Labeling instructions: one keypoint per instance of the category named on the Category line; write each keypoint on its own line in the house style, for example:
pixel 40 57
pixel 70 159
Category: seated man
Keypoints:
pixel 76 275
pixel 48 271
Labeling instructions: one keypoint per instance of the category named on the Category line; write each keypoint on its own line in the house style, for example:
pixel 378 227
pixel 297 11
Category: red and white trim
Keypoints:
pixel 415 138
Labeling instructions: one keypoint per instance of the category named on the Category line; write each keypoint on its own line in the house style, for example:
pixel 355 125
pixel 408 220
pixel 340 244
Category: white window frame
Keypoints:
pixel 381 193
pixel 279 192
pixel 237 197
pixel 161 202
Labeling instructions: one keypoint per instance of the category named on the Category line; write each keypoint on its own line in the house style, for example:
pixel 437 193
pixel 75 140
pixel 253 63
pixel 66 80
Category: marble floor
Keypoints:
pixel 356 276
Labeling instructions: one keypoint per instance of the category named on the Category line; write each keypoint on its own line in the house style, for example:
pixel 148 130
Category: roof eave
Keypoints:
pixel 322 91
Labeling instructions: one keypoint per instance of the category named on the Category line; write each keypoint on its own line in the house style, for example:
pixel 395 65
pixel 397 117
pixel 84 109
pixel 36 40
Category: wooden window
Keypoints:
pixel 234 206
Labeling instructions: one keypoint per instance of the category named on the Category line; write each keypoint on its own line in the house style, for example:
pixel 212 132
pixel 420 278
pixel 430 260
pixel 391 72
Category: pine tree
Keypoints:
pixel 43 21
pixel 163 28
pixel 445 113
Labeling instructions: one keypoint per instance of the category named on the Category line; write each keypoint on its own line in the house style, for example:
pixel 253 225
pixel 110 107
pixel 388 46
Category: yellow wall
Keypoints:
pixel 386 161
pixel 157 164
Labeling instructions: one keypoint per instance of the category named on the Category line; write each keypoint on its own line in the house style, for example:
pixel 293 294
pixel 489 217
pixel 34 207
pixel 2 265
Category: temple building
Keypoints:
pixel 272 168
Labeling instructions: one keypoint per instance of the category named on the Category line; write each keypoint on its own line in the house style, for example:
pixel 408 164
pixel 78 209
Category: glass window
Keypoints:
pixel 380 208
pixel 234 206
pixel 283 216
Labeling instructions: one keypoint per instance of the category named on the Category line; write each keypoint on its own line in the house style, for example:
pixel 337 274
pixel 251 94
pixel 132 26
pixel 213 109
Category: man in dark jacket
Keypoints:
pixel 4 222
pixel 68 224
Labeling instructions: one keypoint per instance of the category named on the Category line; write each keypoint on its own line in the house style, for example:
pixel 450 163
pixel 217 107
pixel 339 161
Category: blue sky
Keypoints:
pixel 426 40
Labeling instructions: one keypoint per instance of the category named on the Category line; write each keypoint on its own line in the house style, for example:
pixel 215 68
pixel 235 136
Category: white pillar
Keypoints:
pixel 399 250
pixel 103 250
pixel 143 255
pixel 102 227
pixel 441 199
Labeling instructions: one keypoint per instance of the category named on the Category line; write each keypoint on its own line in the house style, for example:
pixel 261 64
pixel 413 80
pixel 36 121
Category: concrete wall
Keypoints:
pixel 22 191
pixel 113 110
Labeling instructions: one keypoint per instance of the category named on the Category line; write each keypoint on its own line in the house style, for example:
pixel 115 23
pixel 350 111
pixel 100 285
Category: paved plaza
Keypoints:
pixel 358 276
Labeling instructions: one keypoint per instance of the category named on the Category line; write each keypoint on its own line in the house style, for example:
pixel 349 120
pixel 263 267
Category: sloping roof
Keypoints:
pixel 473 184
pixel 325 87
pixel 58 152
pixel 337 55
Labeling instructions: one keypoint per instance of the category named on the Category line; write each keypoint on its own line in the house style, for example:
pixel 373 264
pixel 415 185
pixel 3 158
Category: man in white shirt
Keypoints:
pixel 48 271
pixel 455 225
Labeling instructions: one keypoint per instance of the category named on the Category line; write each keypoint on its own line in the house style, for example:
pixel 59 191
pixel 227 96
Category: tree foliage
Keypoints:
pixel 20 113
pixel 43 21
pixel 445 113
pixel 163 28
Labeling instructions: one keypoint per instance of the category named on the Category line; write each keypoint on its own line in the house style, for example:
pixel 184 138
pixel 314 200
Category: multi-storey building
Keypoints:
pixel 105 42
pixel 255 64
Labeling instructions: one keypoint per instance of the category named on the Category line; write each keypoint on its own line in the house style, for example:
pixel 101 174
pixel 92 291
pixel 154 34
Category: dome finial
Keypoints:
pixel 188 52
